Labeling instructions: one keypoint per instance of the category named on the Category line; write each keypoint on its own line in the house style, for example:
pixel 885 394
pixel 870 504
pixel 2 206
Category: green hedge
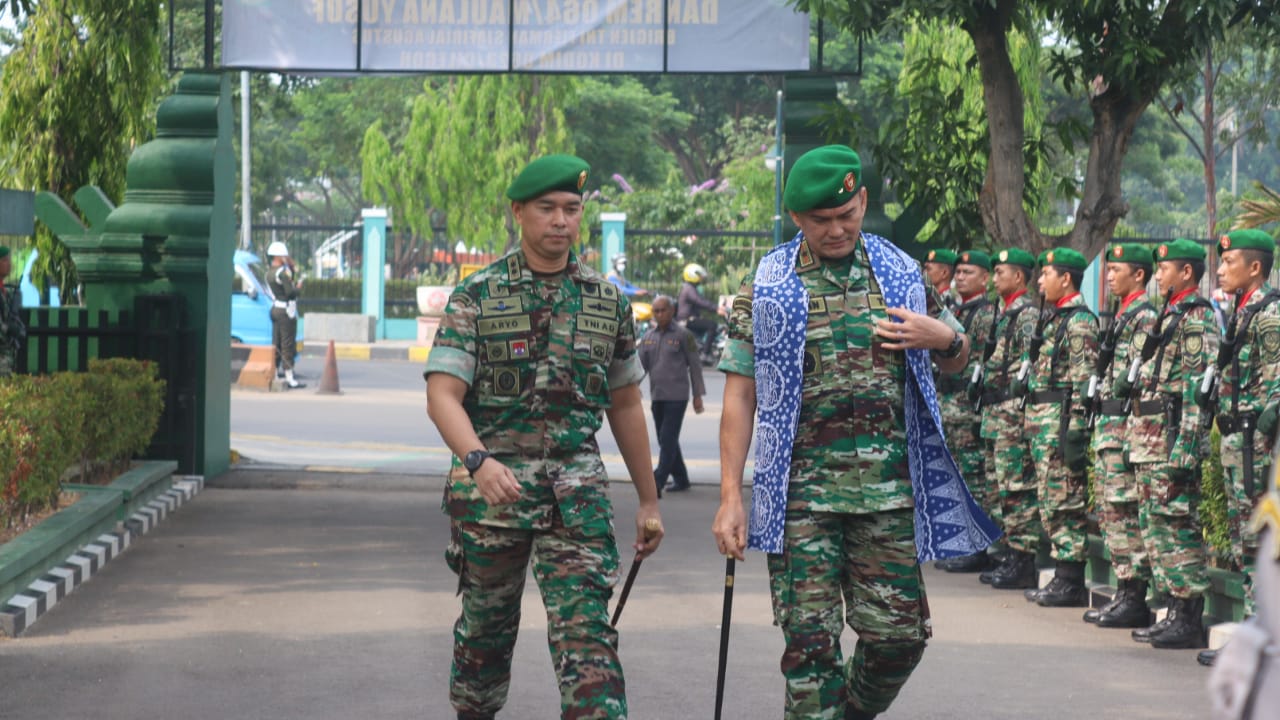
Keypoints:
pixel 50 423
pixel 332 295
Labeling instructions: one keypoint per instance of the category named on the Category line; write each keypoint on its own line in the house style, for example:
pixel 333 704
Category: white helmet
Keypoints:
pixel 277 249
pixel 619 262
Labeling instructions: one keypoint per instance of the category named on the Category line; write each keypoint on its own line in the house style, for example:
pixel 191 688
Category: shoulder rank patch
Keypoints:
pixel 1076 344
pixel 1193 345
pixel 497 288
pixel 1270 340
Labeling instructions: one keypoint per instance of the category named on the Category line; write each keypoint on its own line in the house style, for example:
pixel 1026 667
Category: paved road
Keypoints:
pixel 333 602
pixel 380 424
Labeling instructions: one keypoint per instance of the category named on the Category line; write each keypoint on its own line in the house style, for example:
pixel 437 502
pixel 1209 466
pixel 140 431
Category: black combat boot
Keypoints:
pixel 1145 634
pixel 1129 609
pixel 853 713
pixel 1066 589
pixel 1187 628
pixel 1017 572
pixel 976 562
pixel 1207 657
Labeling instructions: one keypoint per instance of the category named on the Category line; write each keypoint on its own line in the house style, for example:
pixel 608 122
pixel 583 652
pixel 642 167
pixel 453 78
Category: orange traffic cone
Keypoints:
pixel 329 379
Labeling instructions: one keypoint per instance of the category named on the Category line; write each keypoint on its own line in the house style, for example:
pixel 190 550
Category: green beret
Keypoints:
pixel 1016 256
pixel 942 255
pixel 1064 258
pixel 4 252
pixel 1131 253
pixel 550 173
pixel 1179 249
pixel 825 177
pixel 1247 240
pixel 975 257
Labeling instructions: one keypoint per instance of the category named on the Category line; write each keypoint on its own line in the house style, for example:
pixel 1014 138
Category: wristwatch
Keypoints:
pixel 953 349
pixel 473 460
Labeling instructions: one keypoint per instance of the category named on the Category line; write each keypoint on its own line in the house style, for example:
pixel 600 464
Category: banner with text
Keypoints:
pixel 616 36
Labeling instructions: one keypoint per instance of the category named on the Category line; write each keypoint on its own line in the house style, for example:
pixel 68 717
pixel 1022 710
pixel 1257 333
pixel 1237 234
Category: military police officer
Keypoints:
pixel 284 310
pixel 961 420
pixel 1116 490
pixel 1009 457
pixel 1056 388
pixel 1168 440
pixel 1249 389
pixel 531 352
pixel 12 331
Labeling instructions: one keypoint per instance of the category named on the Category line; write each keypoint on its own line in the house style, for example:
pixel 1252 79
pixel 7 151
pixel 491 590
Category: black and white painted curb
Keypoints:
pixel 22 610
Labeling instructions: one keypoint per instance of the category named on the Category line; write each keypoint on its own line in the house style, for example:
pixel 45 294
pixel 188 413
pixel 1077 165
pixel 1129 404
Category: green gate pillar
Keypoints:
pixel 613 230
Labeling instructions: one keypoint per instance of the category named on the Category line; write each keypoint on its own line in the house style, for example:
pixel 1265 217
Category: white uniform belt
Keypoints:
pixel 280 304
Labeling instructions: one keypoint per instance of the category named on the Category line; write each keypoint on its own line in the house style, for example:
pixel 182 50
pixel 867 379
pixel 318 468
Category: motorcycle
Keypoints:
pixel 642 313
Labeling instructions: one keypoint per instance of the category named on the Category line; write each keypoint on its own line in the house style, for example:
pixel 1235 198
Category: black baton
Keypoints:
pixel 650 525
pixel 724 634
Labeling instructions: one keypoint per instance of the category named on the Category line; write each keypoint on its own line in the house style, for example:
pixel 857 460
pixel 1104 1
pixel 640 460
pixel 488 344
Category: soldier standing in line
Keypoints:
pixel 284 311
pixel 1116 490
pixel 939 268
pixel 12 331
pixel 1167 443
pixel 1056 391
pixel 1008 456
pixel 1249 389
pixel 531 351
pixel 960 419
pixel 829 348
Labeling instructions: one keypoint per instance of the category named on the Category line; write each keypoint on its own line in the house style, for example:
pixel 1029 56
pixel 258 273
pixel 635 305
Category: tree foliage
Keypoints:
pixel 77 94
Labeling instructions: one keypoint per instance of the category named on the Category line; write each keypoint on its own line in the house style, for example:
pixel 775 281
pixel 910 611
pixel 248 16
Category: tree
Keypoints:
pixel 1118 54
pixel 466 141
pixel 78 93
pixel 616 123
pixel 1256 212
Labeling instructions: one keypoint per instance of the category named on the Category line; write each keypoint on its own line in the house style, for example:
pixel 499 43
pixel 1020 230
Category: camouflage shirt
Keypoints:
pixel 1067 357
pixel 1134 322
pixel 1252 379
pixel 1014 327
pixel 1171 375
pixel 850 453
pixel 978 316
pixel 540 356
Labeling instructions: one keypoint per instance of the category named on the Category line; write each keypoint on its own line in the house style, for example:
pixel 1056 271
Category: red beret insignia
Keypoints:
pixel 1163 251
pixel 933 254
pixel 582 179
pixel 850 182
pixel 1225 242
pixel 1049 258
pixel 1117 252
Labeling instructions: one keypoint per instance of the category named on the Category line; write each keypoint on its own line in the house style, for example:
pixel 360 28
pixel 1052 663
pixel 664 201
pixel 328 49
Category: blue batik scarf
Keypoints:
pixel 948 522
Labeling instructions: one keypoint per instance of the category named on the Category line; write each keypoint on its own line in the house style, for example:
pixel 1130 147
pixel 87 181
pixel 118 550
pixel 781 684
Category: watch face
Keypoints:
pixel 474 460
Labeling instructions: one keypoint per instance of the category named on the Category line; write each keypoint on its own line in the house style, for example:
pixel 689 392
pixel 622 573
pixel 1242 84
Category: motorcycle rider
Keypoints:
pixel 689 307
pixel 617 277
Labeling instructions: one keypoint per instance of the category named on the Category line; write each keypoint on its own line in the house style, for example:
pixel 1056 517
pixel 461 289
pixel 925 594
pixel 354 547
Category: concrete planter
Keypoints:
pixel 432 299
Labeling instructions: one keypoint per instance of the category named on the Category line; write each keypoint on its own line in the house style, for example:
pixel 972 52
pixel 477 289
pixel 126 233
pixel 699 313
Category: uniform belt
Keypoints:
pixel 951 384
pixel 280 304
pixel 1040 397
pixel 1111 407
pixel 1147 408
pixel 1231 424
pixel 994 397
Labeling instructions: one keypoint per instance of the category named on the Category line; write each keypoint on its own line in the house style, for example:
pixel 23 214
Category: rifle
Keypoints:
pixel 1106 354
pixel 980 371
pixel 1149 347
pixel 1037 339
pixel 1209 387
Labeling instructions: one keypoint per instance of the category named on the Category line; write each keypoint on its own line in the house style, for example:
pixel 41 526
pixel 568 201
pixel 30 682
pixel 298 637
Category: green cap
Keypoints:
pixel 1016 256
pixel 1064 258
pixel 1131 253
pixel 1247 240
pixel 1179 249
pixel 4 252
pixel 942 255
pixel 550 173
pixel 825 177
pixel 975 257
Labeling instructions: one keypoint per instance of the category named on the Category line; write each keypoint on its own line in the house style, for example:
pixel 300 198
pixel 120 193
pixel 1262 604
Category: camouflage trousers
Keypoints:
pixel 1119 499
pixel 1015 476
pixel 1061 491
pixel 1240 504
pixel 576 575
pixel 854 569
pixel 1171 531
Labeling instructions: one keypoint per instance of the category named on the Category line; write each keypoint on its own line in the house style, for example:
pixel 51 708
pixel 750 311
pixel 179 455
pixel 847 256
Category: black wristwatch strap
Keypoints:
pixel 953 349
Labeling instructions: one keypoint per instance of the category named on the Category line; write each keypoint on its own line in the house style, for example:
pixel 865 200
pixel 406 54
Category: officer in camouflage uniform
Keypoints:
pixel 531 351
pixel 849 543
pixel 1056 391
pixel 1167 442
pixel 960 420
pixel 1116 490
pixel 939 268
pixel 1249 390
pixel 12 331
pixel 1008 457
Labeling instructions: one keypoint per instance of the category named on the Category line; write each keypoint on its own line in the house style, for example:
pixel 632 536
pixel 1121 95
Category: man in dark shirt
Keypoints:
pixel 690 304
pixel 669 353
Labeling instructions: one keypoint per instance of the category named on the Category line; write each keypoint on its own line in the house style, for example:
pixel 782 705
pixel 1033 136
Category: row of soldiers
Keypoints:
pixel 1046 383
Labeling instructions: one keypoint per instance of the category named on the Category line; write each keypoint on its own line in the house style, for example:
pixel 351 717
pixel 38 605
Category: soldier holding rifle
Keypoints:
pixel 1116 490
pixel 1055 422
pixel 1008 458
pixel 1168 443
pixel 1249 390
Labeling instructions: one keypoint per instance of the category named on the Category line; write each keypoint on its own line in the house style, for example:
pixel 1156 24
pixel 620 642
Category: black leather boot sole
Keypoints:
pixel 1207 657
